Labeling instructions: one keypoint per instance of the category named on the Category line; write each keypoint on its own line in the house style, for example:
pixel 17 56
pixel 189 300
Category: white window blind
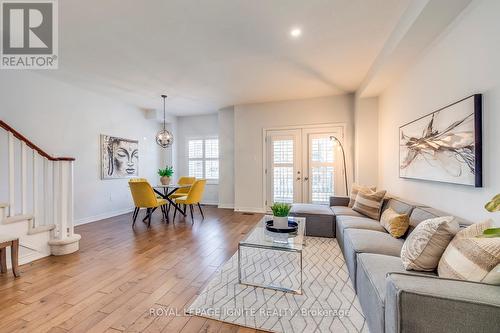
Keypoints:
pixel 322 169
pixel 203 158
pixel 283 170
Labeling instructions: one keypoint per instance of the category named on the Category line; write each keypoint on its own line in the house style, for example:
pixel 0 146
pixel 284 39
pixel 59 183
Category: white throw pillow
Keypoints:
pixel 425 245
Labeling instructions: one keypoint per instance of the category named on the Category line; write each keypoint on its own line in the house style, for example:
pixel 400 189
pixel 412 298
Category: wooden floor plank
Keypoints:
pixel 121 273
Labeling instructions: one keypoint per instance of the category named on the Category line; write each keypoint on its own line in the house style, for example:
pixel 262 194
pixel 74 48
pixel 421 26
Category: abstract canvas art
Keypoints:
pixel 445 145
pixel 119 157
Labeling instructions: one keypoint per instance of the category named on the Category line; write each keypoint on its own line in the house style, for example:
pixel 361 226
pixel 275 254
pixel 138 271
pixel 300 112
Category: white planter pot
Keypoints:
pixel 280 222
pixel 165 180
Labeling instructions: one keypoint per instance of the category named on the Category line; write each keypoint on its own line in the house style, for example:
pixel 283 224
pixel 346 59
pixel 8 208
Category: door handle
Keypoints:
pixel 298 178
pixel 306 178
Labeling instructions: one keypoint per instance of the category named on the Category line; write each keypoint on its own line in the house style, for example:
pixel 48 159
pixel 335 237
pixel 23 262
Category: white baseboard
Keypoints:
pixel 211 203
pixel 107 215
pixel 250 209
pixel 103 216
pixel 32 256
pixel 226 206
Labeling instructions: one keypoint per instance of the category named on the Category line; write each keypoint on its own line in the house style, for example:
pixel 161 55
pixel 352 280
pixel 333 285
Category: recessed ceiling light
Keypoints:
pixel 296 32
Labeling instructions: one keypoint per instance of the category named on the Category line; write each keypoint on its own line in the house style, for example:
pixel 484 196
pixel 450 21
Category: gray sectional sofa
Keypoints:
pixel 393 299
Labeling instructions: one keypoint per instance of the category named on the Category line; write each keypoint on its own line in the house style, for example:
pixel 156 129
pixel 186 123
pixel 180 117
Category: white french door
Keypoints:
pixel 323 174
pixel 303 165
pixel 284 166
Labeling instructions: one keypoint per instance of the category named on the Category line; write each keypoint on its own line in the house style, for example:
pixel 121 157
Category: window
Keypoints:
pixel 203 158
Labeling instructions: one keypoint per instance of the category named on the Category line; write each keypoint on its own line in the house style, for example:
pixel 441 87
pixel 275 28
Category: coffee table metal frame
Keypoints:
pixel 271 247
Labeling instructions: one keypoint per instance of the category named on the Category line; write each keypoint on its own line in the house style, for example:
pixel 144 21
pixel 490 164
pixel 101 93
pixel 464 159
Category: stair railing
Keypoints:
pixel 51 185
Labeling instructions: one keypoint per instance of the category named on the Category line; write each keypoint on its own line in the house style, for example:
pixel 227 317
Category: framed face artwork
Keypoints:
pixel 119 157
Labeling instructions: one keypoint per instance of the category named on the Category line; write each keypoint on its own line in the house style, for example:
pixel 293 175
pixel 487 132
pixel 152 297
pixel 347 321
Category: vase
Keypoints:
pixel 280 222
pixel 165 180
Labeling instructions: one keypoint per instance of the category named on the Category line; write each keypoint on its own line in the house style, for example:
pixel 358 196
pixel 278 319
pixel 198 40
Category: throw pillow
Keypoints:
pixel 369 204
pixel 355 188
pixel 396 224
pixel 425 245
pixel 471 258
pixel 493 277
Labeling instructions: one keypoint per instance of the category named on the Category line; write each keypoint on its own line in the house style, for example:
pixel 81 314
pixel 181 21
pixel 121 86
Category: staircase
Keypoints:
pixel 36 197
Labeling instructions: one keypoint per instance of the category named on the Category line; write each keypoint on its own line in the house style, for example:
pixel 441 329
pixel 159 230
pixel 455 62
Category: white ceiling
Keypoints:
pixel 208 54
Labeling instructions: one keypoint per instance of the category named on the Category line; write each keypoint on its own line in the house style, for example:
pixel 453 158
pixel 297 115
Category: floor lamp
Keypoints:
pixel 336 141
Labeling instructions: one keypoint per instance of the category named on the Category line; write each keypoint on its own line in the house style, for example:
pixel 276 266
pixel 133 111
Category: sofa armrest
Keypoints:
pixel 339 201
pixel 419 303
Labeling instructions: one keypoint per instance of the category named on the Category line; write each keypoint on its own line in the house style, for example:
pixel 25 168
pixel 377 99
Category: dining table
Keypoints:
pixel 165 191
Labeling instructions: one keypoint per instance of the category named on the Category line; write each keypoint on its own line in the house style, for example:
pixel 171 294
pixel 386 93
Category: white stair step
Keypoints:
pixel 17 218
pixel 41 228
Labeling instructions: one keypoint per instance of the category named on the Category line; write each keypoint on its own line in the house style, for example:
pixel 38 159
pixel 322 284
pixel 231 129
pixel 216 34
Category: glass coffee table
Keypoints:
pixel 272 260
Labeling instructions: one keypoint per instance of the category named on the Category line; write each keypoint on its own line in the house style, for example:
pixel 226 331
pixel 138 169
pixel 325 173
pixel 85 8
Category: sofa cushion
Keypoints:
pixel 400 206
pixel 368 241
pixel 342 210
pixel 371 273
pixel 420 214
pixel 298 208
pixel 354 222
pixel 320 221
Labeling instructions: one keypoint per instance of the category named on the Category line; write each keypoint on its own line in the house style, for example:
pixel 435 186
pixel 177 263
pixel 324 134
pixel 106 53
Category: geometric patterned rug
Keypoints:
pixel 328 302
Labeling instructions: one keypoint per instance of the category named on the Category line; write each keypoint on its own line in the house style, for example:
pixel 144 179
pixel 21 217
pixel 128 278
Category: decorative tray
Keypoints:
pixel 292 227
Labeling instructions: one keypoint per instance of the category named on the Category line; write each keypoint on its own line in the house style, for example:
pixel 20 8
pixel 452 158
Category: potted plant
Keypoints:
pixel 166 175
pixel 280 214
pixel 492 206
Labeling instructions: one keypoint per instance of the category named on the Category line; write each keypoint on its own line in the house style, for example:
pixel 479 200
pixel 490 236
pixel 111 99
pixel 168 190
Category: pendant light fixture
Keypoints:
pixel 164 138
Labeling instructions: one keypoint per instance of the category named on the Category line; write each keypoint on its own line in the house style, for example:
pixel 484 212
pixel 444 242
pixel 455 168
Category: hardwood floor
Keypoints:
pixel 119 274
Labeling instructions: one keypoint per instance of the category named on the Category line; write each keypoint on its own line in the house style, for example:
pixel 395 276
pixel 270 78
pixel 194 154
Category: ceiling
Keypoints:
pixel 210 54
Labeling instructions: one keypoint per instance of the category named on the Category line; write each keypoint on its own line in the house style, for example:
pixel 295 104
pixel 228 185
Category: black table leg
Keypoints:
pixel 166 197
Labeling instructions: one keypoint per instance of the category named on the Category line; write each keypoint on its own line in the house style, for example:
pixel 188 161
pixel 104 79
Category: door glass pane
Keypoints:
pixel 283 151
pixel 283 184
pixel 322 184
pixel 322 150
pixel 322 156
pixel 283 170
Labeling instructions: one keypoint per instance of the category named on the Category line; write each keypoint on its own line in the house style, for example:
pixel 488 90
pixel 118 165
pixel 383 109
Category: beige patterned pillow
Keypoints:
pixel 425 245
pixel 355 188
pixel 471 258
pixel 369 204
pixel 396 224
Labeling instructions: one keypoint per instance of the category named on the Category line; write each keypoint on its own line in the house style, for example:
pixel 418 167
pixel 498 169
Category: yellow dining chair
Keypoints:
pixel 183 191
pixel 137 180
pixel 193 197
pixel 145 197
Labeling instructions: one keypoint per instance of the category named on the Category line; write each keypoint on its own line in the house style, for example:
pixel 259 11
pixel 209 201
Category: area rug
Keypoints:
pixel 328 302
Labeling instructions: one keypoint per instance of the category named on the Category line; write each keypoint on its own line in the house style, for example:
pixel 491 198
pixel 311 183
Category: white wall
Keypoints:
pixel 67 121
pixel 196 127
pixel 366 140
pixel 226 146
pixel 465 60
pixel 249 121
